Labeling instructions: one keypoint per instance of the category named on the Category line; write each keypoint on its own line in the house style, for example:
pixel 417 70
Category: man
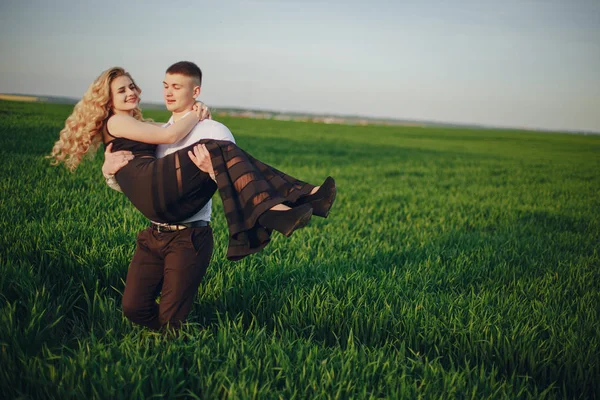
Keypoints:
pixel 171 257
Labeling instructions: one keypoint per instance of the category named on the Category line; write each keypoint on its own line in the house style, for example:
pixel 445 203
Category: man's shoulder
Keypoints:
pixel 211 129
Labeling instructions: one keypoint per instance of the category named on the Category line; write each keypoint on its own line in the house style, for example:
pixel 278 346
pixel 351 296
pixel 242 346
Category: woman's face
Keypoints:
pixel 124 95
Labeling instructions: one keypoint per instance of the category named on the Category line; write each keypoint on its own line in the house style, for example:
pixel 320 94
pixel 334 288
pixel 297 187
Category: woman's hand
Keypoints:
pixel 201 157
pixel 202 111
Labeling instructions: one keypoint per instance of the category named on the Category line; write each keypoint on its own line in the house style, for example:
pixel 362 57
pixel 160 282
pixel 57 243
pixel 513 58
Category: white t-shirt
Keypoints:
pixel 206 129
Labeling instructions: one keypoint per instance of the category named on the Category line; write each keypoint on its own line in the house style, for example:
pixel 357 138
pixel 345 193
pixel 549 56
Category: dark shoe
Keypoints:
pixel 323 199
pixel 286 221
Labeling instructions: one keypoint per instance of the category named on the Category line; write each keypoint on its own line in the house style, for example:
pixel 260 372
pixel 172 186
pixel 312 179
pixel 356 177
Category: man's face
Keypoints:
pixel 179 92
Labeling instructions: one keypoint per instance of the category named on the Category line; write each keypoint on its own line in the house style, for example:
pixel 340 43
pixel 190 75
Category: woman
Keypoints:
pixel 256 197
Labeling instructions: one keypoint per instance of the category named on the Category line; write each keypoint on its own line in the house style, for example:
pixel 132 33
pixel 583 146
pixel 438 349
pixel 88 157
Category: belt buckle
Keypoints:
pixel 160 227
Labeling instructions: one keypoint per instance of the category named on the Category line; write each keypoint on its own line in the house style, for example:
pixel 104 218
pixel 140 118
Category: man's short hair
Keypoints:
pixel 186 68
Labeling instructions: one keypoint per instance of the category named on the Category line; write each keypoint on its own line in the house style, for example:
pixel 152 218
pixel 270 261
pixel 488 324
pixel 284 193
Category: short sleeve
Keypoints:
pixel 218 131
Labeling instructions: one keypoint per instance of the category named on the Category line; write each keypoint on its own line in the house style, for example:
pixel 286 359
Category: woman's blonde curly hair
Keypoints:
pixel 83 128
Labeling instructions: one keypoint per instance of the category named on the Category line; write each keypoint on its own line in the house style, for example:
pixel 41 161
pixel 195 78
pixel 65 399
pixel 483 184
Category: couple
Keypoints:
pixel 170 172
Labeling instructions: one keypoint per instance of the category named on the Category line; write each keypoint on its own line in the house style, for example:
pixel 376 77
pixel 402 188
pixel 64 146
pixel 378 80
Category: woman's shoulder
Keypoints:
pixel 118 125
pixel 119 118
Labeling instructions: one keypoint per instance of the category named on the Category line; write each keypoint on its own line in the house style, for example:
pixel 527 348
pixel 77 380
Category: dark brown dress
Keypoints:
pixel 172 188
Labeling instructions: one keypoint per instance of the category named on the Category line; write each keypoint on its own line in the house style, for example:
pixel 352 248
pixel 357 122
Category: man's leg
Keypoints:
pixel 144 280
pixel 186 260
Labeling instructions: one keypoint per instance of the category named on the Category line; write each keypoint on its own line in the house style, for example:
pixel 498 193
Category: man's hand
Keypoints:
pixel 202 110
pixel 201 157
pixel 113 162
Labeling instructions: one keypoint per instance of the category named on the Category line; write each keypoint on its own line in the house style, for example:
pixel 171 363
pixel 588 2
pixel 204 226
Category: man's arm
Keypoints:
pixel 113 162
pixel 112 183
pixel 200 155
pixel 220 132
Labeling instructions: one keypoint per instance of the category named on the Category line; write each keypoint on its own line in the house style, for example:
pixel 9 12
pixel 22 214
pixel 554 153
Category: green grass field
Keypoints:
pixel 455 263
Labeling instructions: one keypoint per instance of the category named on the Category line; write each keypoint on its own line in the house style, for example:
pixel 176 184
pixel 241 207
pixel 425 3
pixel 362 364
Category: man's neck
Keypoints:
pixel 178 115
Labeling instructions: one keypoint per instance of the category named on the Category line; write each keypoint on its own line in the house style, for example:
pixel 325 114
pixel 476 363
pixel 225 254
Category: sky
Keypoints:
pixel 516 63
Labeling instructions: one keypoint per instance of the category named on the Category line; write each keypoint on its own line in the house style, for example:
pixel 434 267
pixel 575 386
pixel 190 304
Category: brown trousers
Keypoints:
pixel 171 262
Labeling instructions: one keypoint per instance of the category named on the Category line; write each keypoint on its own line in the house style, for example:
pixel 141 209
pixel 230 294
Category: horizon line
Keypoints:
pixel 381 120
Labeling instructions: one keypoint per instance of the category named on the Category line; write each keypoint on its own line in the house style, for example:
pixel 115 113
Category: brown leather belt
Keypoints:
pixel 177 227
